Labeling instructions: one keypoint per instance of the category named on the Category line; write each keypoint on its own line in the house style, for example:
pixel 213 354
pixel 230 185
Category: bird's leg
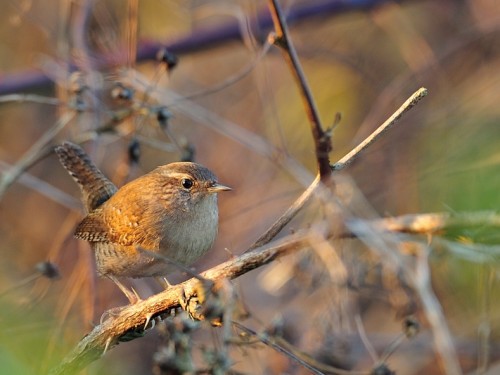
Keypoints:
pixel 131 294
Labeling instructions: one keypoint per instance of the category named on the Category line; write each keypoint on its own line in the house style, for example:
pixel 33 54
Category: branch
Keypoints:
pixel 37 151
pixel 287 216
pixel 292 211
pixel 445 349
pixel 200 39
pixel 133 318
pixel 354 153
pixel 270 341
pixel 431 223
pixel 322 141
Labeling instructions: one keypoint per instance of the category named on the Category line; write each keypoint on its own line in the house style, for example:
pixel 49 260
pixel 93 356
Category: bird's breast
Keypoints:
pixel 192 233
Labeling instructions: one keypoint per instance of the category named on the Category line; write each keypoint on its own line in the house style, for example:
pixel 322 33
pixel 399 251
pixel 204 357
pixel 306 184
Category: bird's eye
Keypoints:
pixel 187 183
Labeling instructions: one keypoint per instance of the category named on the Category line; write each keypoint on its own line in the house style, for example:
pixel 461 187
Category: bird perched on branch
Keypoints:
pixel 168 216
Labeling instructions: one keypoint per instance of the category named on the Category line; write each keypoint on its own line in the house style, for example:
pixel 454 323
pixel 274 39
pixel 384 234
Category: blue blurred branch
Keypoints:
pixel 202 38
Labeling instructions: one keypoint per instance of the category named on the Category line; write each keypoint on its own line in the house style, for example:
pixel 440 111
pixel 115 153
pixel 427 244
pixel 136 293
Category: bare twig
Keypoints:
pixel 36 151
pixel 270 342
pixel 30 98
pixel 44 188
pixel 292 211
pixel 430 223
pixel 287 216
pixel 364 338
pixel 409 104
pixel 417 273
pixel 322 141
pixel 485 329
pixel 443 341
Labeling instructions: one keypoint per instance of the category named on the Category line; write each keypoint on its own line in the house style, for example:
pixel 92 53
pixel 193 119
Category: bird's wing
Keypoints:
pixel 112 225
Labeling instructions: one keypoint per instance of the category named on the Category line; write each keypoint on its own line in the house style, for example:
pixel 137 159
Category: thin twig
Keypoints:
pixel 314 362
pixel 417 272
pixel 30 98
pixel 409 104
pixel 484 331
pixel 270 342
pixel 301 201
pixel 322 141
pixel 443 341
pixel 287 216
pixel 34 153
pixel 429 223
pixel 364 338
pixel 44 188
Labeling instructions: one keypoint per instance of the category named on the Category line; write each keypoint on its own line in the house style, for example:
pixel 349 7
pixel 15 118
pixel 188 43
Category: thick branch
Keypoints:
pixel 134 317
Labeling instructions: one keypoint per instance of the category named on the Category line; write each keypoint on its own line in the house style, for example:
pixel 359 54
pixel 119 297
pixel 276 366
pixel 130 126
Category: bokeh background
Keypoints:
pixel 362 62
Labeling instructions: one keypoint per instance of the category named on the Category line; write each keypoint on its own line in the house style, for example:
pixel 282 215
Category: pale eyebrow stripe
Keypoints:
pixel 179 175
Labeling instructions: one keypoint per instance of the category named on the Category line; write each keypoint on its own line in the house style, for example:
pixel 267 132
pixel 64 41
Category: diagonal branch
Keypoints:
pixel 301 201
pixel 322 141
pixel 132 318
pixel 405 107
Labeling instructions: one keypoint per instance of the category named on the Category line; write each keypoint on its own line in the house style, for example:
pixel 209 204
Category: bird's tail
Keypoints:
pixel 96 188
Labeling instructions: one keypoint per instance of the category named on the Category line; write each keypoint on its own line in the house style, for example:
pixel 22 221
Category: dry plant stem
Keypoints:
pixel 33 153
pixel 270 342
pixel 133 317
pixel 430 223
pixel 432 309
pixel 30 98
pixel 484 332
pixel 416 271
pixel 341 164
pixel 282 346
pixel 44 188
pixel 287 216
pixel 315 363
pixel 321 138
pixel 409 104
pixel 364 338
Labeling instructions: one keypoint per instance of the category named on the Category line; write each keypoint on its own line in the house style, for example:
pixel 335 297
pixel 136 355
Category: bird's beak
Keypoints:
pixel 216 188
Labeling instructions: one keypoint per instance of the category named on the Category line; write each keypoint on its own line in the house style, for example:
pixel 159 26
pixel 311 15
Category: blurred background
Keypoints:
pixel 89 72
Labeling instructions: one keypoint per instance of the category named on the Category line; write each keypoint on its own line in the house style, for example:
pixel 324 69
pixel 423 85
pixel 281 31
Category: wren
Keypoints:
pixel 168 216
